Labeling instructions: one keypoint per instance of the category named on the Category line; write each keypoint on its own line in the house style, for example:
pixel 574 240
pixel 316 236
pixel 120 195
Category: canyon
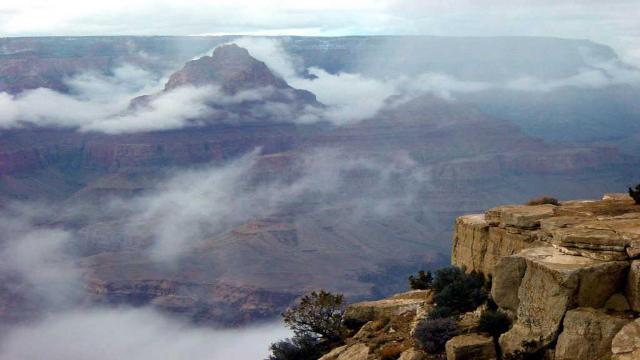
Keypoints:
pixel 360 236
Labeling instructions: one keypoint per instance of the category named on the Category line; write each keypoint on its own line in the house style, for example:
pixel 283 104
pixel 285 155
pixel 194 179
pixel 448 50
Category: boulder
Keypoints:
pixel 626 343
pixel 412 354
pixel 587 334
pixel 633 286
pixel 471 347
pixel 552 284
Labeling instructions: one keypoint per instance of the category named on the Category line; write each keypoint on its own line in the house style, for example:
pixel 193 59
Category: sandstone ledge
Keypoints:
pixel 565 274
pixel 602 230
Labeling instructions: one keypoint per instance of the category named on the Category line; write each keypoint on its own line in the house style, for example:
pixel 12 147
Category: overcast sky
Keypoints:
pixel 612 22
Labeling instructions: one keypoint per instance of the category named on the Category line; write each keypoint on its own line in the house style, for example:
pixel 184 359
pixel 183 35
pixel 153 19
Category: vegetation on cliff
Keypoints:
pixel 316 322
pixel 543 200
pixel 456 292
pixel 635 193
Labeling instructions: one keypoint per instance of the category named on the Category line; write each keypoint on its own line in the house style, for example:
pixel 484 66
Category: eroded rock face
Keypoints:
pixel 478 246
pixel 604 238
pixel 633 285
pixel 554 282
pixel 471 347
pixel 545 260
pixel 626 343
pixel 604 230
pixel 507 277
pixel 587 335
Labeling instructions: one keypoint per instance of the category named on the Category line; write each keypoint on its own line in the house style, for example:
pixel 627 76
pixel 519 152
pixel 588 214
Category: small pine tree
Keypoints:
pixel 422 282
pixel 635 194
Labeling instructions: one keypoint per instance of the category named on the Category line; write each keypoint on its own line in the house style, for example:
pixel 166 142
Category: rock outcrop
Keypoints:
pixel 566 273
pixel 553 283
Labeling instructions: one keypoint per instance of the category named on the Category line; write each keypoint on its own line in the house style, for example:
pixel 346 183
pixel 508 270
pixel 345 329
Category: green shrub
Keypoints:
pixel 440 312
pixel 494 322
pixel 422 282
pixel 458 291
pixel 543 200
pixel 532 351
pixel 432 335
pixel 318 314
pixel 298 348
pixel 635 193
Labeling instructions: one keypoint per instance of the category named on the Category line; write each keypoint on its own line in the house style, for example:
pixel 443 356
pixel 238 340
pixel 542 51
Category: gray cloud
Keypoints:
pixel 611 22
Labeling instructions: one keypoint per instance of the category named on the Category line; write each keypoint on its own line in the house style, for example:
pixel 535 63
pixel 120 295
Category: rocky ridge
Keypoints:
pixel 568 276
pixel 242 78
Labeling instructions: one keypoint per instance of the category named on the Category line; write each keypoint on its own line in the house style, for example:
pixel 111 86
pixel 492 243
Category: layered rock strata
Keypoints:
pixel 567 274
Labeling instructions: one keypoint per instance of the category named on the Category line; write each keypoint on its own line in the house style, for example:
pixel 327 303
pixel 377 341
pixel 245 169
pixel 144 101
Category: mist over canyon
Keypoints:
pixel 183 186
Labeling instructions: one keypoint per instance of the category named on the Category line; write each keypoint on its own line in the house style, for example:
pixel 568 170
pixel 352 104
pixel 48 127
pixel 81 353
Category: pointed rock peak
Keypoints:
pixel 231 53
pixel 230 67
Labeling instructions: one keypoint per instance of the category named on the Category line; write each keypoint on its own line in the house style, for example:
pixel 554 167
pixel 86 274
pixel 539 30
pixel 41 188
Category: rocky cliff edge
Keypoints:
pixel 567 275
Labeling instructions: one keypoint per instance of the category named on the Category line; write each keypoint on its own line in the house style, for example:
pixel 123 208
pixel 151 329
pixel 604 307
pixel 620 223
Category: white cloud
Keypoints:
pixel 198 204
pixel 271 53
pixel 38 255
pixel 171 110
pixel 133 334
pixel 602 75
pixel 98 102
pixel 92 97
pixel 350 97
